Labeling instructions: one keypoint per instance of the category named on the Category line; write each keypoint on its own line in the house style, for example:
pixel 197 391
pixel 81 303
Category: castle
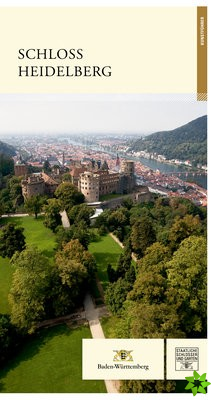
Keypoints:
pixel 97 180
pixel 38 184
pixel 92 178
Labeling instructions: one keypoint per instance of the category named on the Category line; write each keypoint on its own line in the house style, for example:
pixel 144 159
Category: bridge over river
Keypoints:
pixel 185 173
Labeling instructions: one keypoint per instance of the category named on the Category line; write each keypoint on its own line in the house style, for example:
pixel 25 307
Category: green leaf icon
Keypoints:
pixel 190 378
pixel 196 375
pixel 197 383
pixel 203 377
pixel 205 384
pixel 201 390
pixel 194 391
pixel 189 386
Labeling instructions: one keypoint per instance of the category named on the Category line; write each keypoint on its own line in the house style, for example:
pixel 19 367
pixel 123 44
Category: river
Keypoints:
pixel 199 178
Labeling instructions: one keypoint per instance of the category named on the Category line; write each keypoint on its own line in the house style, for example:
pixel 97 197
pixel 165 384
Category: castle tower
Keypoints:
pixel 20 169
pixel 89 186
pixel 127 176
pixel 127 167
pixel 117 161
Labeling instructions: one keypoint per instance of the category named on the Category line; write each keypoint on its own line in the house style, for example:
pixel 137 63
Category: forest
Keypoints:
pixel 188 142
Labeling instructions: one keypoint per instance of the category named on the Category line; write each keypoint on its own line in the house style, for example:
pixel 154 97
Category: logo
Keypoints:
pixel 123 355
pixel 186 358
pixel 197 383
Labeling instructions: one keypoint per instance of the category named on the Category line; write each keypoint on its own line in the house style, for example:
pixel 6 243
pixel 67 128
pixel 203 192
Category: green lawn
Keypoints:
pixel 36 234
pixel 106 251
pixel 48 363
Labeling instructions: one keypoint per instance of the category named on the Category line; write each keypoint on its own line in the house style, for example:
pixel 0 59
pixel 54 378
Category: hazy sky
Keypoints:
pixel 21 114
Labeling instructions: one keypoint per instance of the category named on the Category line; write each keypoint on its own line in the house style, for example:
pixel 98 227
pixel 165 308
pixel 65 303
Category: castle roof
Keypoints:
pixel 77 171
pixel 48 180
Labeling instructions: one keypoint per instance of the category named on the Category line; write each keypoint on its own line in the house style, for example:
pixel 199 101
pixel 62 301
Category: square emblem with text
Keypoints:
pixel 122 359
pixel 185 356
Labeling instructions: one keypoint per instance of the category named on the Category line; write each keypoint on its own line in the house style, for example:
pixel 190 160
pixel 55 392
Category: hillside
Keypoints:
pixel 6 149
pixel 6 161
pixel 188 142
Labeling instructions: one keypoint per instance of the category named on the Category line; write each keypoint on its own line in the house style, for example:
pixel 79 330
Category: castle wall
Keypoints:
pixel 138 197
pixel 108 183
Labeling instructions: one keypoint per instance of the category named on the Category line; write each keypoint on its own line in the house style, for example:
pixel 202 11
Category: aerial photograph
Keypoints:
pixel 103 233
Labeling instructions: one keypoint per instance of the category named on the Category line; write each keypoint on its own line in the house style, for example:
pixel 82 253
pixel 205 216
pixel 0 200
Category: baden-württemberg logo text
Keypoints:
pixel 120 356
pixel 123 366
pixel 123 359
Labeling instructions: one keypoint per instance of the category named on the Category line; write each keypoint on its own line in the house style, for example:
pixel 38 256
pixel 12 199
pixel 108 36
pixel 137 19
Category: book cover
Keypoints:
pixel 103 200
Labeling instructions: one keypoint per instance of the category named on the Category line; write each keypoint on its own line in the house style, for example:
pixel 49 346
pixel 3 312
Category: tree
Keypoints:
pixel 16 195
pixel 154 320
pixel 34 204
pixel 119 218
pixel 73 250
pixel 6 165
pixel 9 339
pixel 187 278
pixel 47 166
pixel 116 220
pixel 76 268
pixel 151 283
pixel 1 208
pixel 6 200
pixel 112 273
pixel 52 214
pixel 168 297
pixel 125 268
pixel 14 180
pixel 15 191
pixel 142 320
pixel 69 195
pixel 116 294
pixel 63 236
pixel 191 208
pixel 80 232
pixel 102 219
pixel 128 203
pixel 148 386
pixel 102 222
pixel 142 235
pixel 140 211
pixel 30 290
pixel 66 177
pixel 161 212
pixel 183 228
pixel 33 169
pixel 125 258
pixel 11 196
pixel 12 239
pixel 80 212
